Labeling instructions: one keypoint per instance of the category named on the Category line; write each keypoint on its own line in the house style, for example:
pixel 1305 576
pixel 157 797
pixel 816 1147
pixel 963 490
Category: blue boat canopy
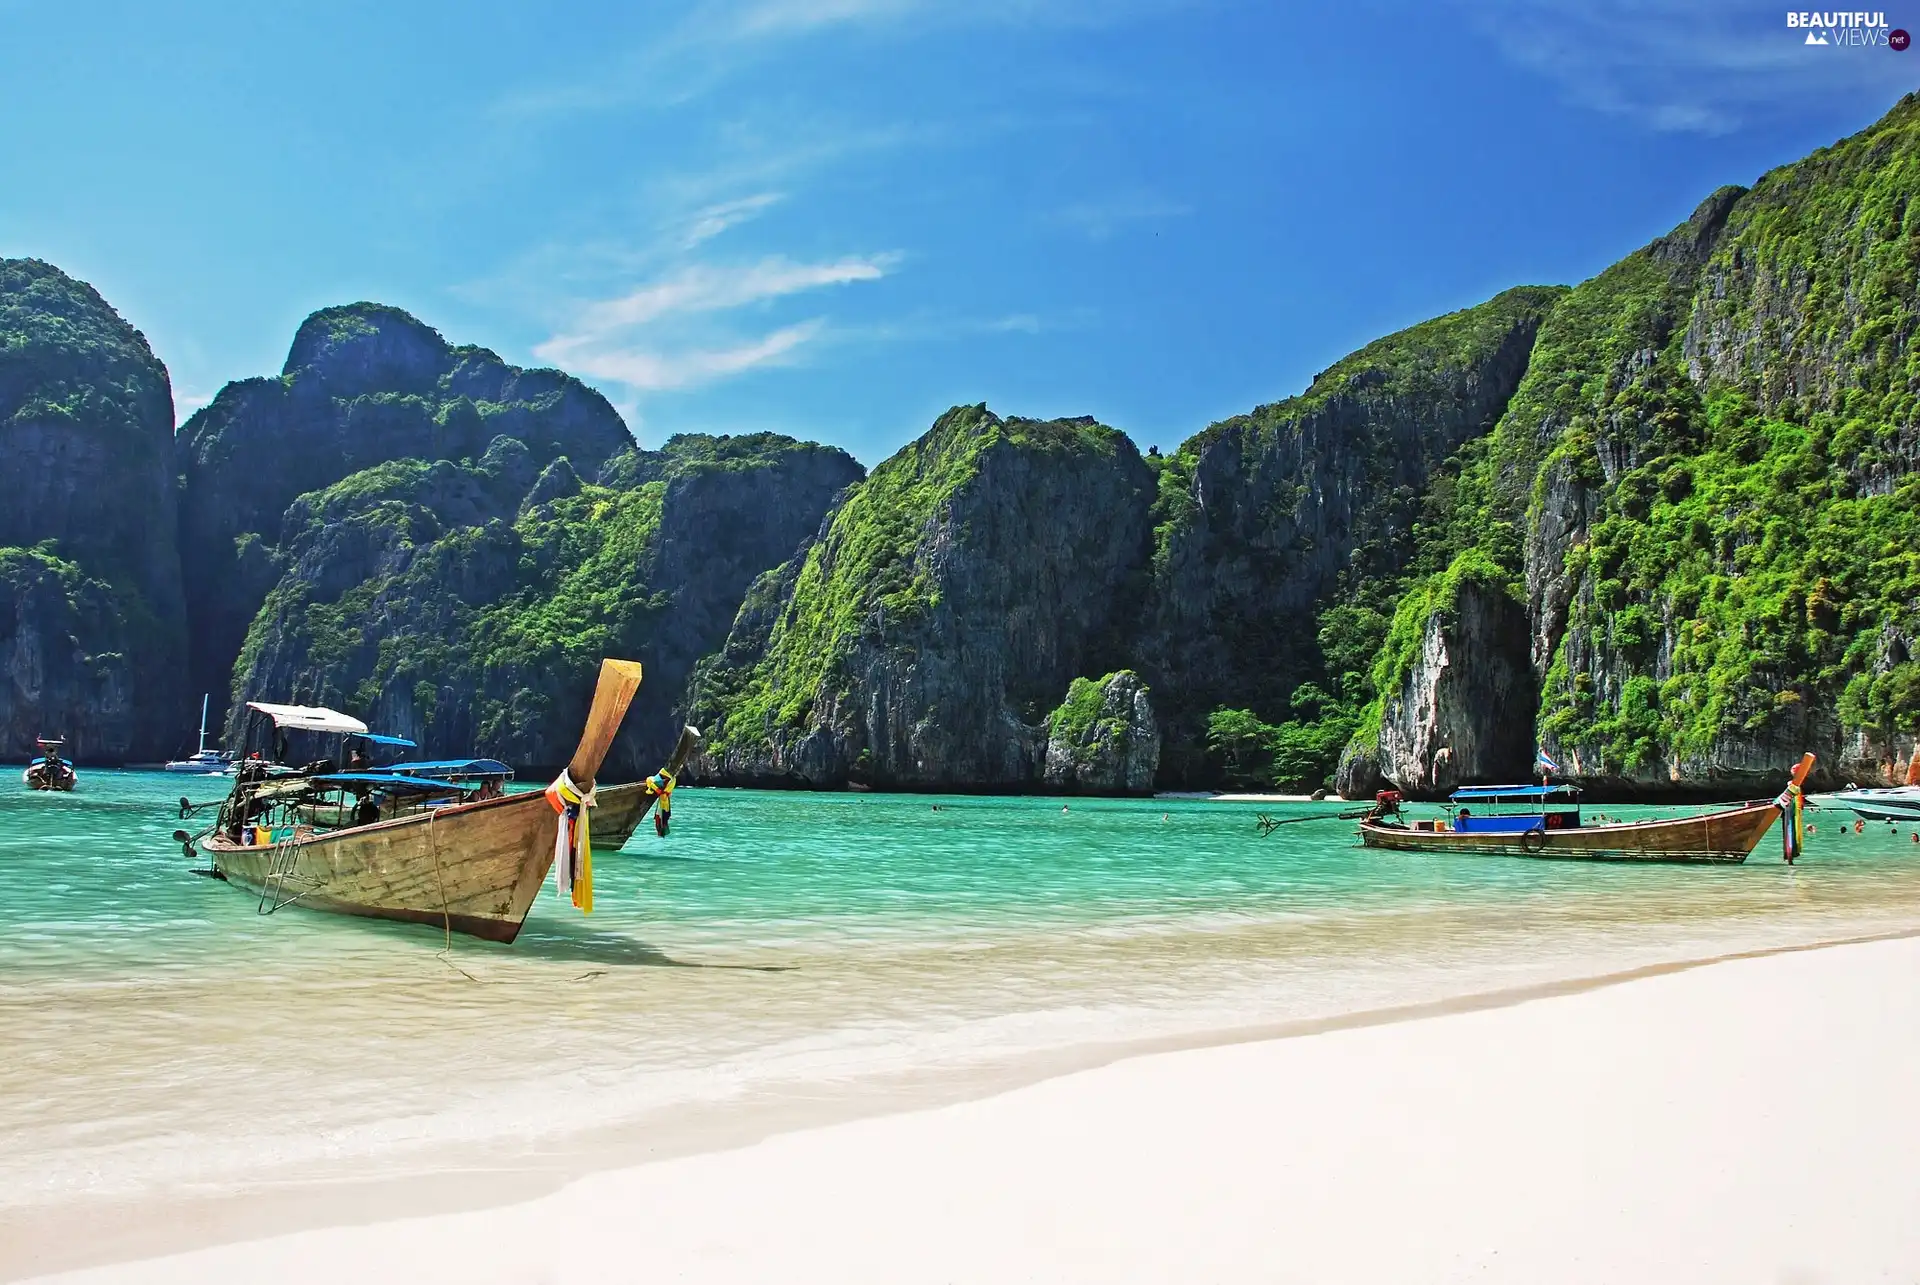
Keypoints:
pixel 388 781
pixel 452 767
pixel 1472 792
pixel 377 739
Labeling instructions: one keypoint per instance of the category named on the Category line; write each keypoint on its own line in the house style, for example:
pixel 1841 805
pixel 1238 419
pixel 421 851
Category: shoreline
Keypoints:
pixel 1676 795
pixel 125 1233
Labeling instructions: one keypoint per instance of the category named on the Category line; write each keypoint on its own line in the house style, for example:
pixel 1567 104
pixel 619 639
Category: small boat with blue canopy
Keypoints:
pixel 1515 809
pixel 1544 821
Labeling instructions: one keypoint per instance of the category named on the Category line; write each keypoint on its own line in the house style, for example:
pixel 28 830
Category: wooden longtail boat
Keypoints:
pixel 471 867
pixel 1550 828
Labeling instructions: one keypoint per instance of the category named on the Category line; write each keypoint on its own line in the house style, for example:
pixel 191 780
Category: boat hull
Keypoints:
pixel 1725 837
pixel 1900 803
pixel 472 868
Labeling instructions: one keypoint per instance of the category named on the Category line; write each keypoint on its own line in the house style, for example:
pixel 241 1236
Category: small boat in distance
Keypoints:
pixel 1892 803
pixel 1544 821
pixel 203 762
pixel 50 771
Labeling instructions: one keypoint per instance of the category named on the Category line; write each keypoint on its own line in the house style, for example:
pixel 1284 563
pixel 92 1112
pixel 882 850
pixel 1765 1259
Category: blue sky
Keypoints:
pixel 835 218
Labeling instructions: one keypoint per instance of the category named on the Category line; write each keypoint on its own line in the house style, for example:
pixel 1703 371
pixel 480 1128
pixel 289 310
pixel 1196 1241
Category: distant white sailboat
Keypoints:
pixel 205 762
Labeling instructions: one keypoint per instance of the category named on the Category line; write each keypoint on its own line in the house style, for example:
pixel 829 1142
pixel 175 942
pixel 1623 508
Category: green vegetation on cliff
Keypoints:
pixel 466 607
pixel 1079 716
pixel 1706 482
pixel 872 573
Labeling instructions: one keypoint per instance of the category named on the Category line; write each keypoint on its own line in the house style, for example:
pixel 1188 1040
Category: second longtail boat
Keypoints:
pixel 1544 821
pixel 433 853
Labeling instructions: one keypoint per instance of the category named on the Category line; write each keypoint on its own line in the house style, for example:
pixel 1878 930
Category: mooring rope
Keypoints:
pixel 446 914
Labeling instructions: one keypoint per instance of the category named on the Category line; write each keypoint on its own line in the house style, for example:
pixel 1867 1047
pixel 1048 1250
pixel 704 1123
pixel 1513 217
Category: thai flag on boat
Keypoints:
pixel 1540 759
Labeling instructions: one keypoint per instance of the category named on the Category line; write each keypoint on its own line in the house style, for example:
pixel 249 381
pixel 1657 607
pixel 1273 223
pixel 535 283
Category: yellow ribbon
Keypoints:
pixel 573 839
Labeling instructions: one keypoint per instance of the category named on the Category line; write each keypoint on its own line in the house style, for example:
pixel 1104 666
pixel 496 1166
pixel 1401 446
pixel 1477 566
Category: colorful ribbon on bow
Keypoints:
pixel 660 787
pixel 572 844
pixel 1793 834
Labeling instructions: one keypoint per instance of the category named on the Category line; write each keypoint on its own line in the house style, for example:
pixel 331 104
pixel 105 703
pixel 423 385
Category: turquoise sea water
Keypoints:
pixel 160 1034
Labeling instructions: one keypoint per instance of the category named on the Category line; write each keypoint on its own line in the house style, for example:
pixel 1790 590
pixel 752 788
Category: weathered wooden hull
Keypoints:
pixel 473 868
pixel 619 813
pixel 1724 837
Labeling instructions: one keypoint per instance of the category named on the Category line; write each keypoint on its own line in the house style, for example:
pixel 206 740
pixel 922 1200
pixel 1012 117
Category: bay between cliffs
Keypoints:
pixel 781 959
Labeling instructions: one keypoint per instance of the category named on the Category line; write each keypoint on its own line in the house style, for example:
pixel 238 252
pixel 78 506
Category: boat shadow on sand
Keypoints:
pixel 562 945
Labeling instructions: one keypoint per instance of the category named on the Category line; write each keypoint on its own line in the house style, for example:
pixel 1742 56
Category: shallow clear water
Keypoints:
pixel 159 1033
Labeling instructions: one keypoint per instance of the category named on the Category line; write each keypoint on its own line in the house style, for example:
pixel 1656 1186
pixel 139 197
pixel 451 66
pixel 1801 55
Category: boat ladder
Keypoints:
pixel 280 872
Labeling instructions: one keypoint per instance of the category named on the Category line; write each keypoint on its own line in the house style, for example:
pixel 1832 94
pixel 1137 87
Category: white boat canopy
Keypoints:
pixel 310 718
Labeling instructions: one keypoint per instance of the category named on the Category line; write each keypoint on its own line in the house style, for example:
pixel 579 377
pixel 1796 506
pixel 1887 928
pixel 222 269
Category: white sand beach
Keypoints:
pixel 1753 1121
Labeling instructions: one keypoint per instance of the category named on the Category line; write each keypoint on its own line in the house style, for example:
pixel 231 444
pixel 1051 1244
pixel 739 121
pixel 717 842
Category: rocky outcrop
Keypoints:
pixel 92 623
pixel 467 606
pixel 1441 726
pixel 1359 776
pixel 939 616
pixel 363 385
pixel 1103 738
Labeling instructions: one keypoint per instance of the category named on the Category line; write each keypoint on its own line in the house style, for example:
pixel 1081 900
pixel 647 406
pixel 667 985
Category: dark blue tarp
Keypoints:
pixel 452 767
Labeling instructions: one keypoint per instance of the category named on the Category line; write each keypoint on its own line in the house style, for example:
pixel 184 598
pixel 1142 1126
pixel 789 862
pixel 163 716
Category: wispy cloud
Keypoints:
pixel 186 402
pixel 621 338
pixel 649 370
pixel 714 219
pixel 1708 68
pixel 1101 219
pixel 703 45
pixel 703 288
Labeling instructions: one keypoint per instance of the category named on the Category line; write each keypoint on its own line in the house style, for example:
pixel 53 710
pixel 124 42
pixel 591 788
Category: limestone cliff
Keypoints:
pixel 1281 531
pixel 1709 485
pixel 92 624
pixel 363 385
pixel 922 639
pixel 468 605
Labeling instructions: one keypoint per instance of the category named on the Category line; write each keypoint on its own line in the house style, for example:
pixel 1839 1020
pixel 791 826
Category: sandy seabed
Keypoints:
pixel 1752 1121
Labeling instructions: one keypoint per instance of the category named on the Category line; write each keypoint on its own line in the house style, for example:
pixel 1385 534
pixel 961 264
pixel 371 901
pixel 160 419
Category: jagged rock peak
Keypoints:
pixel 951 599
pixel 370 346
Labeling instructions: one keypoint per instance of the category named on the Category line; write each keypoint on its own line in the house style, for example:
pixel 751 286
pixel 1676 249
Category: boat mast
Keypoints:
pixel 204 697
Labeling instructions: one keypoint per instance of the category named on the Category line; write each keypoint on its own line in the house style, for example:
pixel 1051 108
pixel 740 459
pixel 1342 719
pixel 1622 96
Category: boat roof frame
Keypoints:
pixel 1499 793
